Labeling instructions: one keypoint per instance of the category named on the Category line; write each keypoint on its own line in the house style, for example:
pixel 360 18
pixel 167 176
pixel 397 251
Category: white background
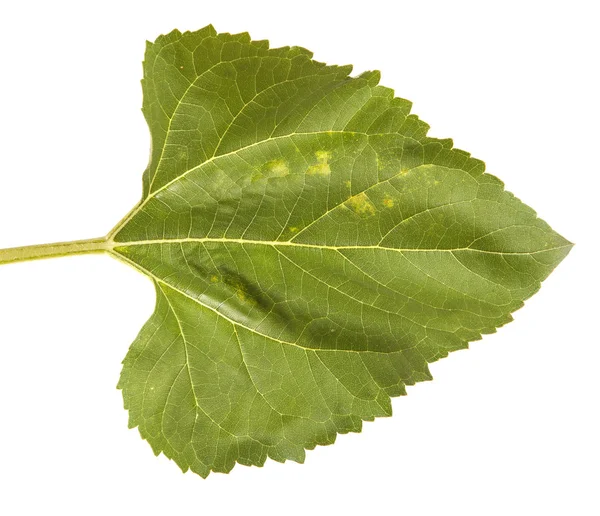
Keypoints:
pixel 508 427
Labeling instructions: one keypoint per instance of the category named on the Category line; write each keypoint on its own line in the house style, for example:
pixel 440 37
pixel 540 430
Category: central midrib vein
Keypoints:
pixel 286 243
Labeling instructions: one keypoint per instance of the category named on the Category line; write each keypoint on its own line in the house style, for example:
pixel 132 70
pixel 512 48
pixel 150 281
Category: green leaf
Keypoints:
pixel 311 248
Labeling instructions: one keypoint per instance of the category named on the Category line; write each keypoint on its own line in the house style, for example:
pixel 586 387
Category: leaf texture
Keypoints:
pixel 311 248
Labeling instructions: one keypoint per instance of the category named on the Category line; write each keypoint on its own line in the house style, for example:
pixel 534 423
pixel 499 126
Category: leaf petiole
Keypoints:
pixel 38 252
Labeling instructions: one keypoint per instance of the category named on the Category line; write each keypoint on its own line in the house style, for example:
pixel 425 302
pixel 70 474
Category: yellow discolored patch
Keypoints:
pixel 293 229
pixel 237 288
pixel 273 168
pixel 361 205
pixel 244 297
pixel 214 279
pixel 388 202
pixel 404 171
pixel 321 168
pixel 241 292
pixel 277 168
pixel 323 155
pixel 348 184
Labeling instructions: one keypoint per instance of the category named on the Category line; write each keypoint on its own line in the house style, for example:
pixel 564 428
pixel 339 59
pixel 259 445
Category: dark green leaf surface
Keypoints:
pixel 311 248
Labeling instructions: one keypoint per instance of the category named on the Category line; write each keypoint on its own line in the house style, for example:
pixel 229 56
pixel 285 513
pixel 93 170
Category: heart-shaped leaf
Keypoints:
pixel 312 250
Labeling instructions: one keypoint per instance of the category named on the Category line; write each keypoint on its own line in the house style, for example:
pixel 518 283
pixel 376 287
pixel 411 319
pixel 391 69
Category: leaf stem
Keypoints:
pixel 38 252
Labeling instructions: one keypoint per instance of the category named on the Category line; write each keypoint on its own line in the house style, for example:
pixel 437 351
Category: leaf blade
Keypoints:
pixel 312 251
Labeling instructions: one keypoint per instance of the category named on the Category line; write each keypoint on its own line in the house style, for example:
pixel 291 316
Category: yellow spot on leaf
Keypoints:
pixel 321 168
pixel 293 229
pixel 404 171
pixel 361 205
pixel 388 202
pixel 277 168
pixel 214 278
pixel 348 183
pixel 244 297
pixel 274 168
pixel 241 292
